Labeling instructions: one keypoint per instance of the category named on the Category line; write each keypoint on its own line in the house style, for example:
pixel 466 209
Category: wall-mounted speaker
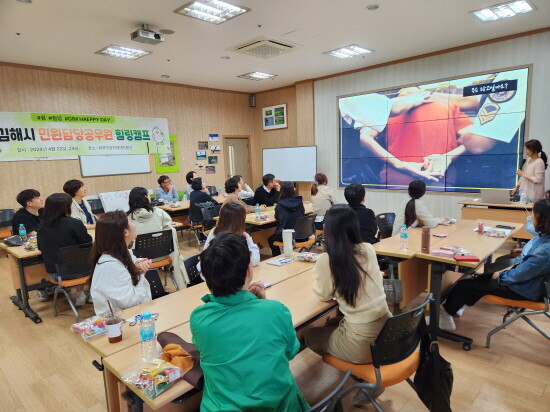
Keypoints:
pixel 252 100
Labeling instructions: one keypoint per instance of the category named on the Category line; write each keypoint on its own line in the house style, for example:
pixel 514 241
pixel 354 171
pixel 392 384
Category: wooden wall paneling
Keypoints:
pixel 192 114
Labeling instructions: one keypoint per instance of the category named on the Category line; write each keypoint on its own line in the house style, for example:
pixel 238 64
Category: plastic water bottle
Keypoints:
pixel 257 211
pixel 522 198
pixel 404 236
pixel 147 332
pixel 23 232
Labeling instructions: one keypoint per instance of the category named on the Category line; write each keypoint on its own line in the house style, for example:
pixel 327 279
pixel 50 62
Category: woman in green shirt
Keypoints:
pixel 244 340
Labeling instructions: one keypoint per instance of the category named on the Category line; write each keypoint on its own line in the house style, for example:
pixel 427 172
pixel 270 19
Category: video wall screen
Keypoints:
pixel 457 135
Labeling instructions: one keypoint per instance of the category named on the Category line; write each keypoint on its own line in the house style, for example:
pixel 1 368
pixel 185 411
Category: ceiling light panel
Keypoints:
pixel 122 52
pixel 211 11
pixel 348 52
pixel 504 10
pixel 257 76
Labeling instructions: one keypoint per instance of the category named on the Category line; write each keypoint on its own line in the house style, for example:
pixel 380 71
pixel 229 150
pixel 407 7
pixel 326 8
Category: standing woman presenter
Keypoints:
pixel 531 181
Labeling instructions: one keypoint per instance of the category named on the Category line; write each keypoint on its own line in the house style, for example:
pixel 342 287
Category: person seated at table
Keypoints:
pixel 166 192
pixel 80 208
pixel 118 276
pixel 150 219
pixel 415 212
pixel 57 230
pixel 289 208
pixel 355 196
pixel 321 197
pixel 246 191
pixel 30 213
pixel 240 335
pixel 232 220
pixel 233 189
pixel 189 179
pixel 268 194
pixel 200 193
pixel 523 281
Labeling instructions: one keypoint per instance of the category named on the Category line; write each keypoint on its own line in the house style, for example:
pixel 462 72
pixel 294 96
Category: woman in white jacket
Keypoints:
pixel 415 213
pixel 150 219
pixel 118 277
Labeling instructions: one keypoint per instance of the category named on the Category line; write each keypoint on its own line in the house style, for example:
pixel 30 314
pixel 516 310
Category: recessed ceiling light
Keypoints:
pixel 122 52
pixel 166 31
pixel 164 76
pixel 348 52
pixel 372 7
pixel 257 76
pixel 25 1
pixel 225 57
pixel 212 11
pixel 504 10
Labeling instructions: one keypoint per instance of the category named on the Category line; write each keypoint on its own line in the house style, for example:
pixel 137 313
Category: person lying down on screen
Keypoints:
pixel 417 145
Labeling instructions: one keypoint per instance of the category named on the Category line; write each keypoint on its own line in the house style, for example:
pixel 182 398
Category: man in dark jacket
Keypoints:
pixel 289 208
pixel 30 214
pixel 268 194
pixel 355 196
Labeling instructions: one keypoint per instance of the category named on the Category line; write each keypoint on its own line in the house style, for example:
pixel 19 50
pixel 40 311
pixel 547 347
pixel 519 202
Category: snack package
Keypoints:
pixel 307 257
pixel 90 328
pixel 153 377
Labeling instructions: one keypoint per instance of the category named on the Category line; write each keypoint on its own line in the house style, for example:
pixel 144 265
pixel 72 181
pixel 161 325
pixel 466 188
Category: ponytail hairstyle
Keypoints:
pixel 342 235
pixel 319 179
pixel 417 189
pixel 109 239
pixel 535 146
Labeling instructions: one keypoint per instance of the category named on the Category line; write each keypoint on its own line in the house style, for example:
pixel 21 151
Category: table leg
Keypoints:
pixel 23 294
pixel 436 273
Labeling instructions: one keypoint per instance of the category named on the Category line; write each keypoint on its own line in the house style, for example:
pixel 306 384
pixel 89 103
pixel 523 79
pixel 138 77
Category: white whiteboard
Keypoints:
pixel 296 164
pixel 112 201
pixel 114 165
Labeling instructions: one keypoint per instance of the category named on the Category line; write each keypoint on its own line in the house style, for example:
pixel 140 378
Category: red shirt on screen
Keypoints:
pixel 426 130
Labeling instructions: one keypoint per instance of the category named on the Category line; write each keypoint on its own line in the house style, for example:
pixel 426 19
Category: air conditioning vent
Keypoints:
pixel 263 48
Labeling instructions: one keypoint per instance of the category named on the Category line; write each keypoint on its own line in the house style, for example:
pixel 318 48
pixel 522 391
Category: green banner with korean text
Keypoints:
pixel 24 135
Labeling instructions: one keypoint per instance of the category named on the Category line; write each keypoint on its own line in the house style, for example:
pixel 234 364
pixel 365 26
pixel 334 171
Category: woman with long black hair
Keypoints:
pixel 416 213
pixel 349 272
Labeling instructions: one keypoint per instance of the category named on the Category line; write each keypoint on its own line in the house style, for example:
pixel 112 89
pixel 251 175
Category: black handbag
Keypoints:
pixel 14 241
pixel 433 380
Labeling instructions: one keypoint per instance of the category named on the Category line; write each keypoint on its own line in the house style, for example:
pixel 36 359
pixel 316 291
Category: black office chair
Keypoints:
pixel 72 269
pixel 385 222
pixel 304 233
pixel 209 212
pixel 195 223
pixel 157 246
pixel 157 289
pixel 333 401
pixel 395 355
pixel 191 267
pixel 212 190
pixel 6 217
pixel 96 206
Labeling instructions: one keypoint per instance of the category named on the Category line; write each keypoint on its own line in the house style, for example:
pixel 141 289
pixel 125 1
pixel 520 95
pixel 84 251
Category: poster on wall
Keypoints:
pixel 203 145
pixel 210 170
pixel 458 135
pixel 212 160
pixel 215 149
pixel 214 137
pixel 168 162
pixel 274 117
pixel 24 135
pixel 201 155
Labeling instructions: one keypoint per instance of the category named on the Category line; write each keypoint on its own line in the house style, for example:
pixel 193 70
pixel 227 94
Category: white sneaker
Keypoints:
pixel 446 321
pixel 460 312
pixel 80 299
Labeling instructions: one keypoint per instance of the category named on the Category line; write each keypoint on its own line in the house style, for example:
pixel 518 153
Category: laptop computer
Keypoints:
pixel 495 196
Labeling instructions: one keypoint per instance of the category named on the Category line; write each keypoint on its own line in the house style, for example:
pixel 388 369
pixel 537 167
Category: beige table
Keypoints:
pixel 478 245
pixel 27 269
pixel 175 308
pixel 296 293
pixel 508 212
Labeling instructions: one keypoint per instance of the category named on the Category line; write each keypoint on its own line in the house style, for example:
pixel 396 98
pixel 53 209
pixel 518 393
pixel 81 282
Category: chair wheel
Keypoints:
pixel 467 347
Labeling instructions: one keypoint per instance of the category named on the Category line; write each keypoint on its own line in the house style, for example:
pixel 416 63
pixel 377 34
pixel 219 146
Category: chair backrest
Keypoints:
pixel 209 212
pixel 332 402
pixel 155 283
pixel 6 216
pixel 195 215
pixel 304 227
pixel 154 245
pixel 399 337
pixel 96 206
pixel 212 190
pixel 191 268
pixel 74 260
pixel 385 221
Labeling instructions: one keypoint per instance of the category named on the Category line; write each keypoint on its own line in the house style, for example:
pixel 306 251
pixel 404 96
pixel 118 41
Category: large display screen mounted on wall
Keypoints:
pixel 457 135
